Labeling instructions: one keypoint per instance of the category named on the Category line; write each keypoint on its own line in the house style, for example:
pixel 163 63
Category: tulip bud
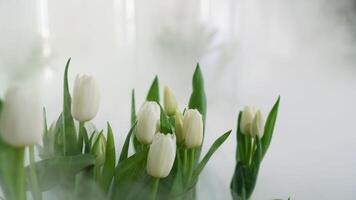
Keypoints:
pixel 179 127
pixel 86 98
pixel 257 125
pixel 193 128
pixel 99 149
pixel 246 120
pixel 147 122
pixel 169 101
pixel 161 155
pixel 21 120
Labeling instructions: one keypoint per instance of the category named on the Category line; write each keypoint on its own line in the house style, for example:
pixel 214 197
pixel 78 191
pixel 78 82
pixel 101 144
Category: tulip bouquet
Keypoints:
pixel 253 140
pixel 77 161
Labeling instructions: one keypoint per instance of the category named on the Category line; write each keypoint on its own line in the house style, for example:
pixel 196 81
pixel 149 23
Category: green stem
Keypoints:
pixel 154 189
pixel 248 141
pixel 191 165
pixel 81 136
pixel 251 149
pixel 34 181
pixel 20 176
pixel 185 161
pixel 98 175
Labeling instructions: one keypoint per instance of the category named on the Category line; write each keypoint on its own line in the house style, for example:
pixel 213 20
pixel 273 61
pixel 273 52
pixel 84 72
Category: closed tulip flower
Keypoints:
pixel 246 120
pixel 161 155
pixel 179 127
pixel 21 120
pixel 257 126
pixel 86 98
pixel 169 101
pixel 193 128
pixel 147 122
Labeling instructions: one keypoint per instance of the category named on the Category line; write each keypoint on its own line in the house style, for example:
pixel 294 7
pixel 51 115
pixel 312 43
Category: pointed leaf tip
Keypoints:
pixel 68 62
pixel 153 93
pixel 269 127
pixel 68 127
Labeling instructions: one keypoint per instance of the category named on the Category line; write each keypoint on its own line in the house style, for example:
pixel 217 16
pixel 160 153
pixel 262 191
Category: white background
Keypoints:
pixel 250 52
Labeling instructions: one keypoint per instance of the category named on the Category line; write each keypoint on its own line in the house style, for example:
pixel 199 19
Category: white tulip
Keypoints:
pixel 246 120
pixel 86 98
pixel 148 119
pixel 169 101
pixel 257 127
pixel 193 128
pixel 21 120
pixel 161 155
pixel 179 127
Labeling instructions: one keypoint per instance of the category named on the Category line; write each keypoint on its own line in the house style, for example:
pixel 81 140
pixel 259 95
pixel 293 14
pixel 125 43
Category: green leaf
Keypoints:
pixel 133 107
pixel 238 183
pixel 131 175
pixel 177 190
pixel 125 148
pixel 218 142
pixel 11 177
pixel 1 104
pixel 153 93
pixel 245 177
pixel 3 146
pixel 47 150
pixel 45 126
pixel 165 125
pixel 240 140
pixel 269 127
pixel 110 159
pixel 243 182
pixel 69 133
pixel 93 137
pixel 137 145
pixel 59 137
pixel 54 171
pixel 198 98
